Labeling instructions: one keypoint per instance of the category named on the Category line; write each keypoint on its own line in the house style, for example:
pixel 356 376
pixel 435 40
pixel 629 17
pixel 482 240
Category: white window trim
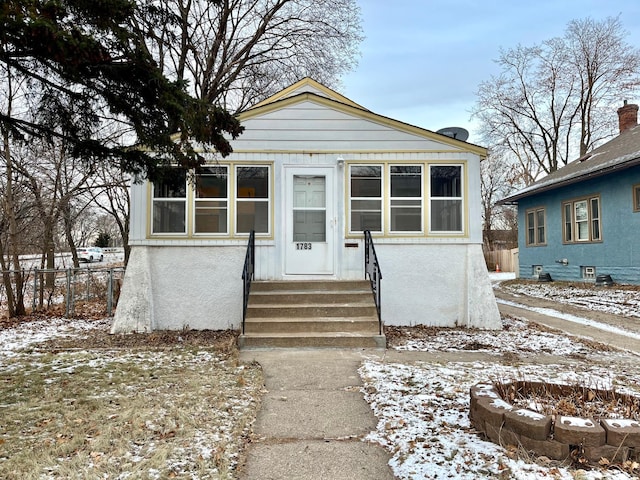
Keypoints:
pixel 460 198
pixel 228 199
pixel 420 198
pixel 184 200
pixel 236 199
pixel 380 198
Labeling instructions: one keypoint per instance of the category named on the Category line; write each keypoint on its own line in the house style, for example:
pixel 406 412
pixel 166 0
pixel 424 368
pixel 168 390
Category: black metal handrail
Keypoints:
pixel 248 274
pixel 372 270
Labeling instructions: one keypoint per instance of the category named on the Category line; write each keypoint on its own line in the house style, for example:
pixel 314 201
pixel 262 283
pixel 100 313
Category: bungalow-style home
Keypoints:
pixel 582 221
pixel 310 174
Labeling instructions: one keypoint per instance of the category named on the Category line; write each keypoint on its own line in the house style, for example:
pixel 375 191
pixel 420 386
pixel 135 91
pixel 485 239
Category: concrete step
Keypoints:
pixel 364 325
pixel 310 285
pixel 316 340
pixel 311 296
pixel 317 313
pixel 313 310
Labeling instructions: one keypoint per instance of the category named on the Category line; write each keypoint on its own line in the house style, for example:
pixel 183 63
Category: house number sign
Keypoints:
pixel 303 246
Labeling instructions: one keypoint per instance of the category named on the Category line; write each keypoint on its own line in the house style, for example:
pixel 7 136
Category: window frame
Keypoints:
pixel 532 231
pixel 238 200
pixel 197 199
pixel 460 199
pixel 419 198
pixel 570 224
pixel 380 198
pixel 636 197
pixel 170 200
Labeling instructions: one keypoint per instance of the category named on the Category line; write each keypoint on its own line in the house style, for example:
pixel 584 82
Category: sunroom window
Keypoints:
pixel 170 203
pixel 446 198
pixel 211 200
pixel 406 198
pixel 252 199
pixel 366 198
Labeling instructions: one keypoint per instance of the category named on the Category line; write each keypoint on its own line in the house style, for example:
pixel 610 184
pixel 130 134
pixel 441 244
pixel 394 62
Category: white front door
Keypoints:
pixel 309 221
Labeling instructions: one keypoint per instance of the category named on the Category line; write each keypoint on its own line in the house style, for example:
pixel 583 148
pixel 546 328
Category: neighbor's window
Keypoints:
pixel 445 198
pixel 365 198
pixel 252 199
pixel 535 226
pixel 211 200
pixel 170 203
pixel 636 198
pixel 406 198
pixel 581 220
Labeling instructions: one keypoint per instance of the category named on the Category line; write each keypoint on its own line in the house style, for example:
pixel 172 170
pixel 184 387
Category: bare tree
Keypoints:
pixel 237 52
pixel 553 101
pixel 498 179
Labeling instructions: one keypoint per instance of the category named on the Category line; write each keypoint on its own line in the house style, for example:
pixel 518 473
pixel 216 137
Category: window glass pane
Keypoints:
pixel 406 218
pixel 172 186
pixel 446 215
pixel 406 181
pixel 211 217
pixel 568 222
pixel 168 216
pixel 581 211
pixel 253 215
pixel 253 182
pixel 366 181
pixel 446 181
pixel 531 238
pixel 211 182
pixel 540 226
pixel 636 191
pixel 366 220
pixel 309 226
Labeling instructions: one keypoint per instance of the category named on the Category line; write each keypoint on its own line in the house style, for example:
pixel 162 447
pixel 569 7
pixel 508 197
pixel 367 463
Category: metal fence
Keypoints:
pixel 46 289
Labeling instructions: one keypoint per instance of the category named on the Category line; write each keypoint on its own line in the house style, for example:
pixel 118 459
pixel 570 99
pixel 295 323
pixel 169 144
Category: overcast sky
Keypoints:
pixel 422 60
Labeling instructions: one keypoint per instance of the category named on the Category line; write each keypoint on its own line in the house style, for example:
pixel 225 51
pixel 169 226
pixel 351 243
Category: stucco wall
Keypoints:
pixel 436 285
pixel 192 287
pixel 617 254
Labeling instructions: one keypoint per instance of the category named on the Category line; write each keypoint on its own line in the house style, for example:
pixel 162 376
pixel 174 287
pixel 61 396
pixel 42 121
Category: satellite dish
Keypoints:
pixel 455 132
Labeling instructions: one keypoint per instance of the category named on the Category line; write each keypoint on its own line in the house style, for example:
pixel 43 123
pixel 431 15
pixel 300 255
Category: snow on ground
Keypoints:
pixel 422 408
pixel 422 412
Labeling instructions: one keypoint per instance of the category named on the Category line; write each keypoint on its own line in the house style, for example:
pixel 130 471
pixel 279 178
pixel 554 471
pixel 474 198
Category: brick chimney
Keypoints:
pixel 627 116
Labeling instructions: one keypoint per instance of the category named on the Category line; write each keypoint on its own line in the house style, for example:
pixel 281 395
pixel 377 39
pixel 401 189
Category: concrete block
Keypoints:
pixel 526 422
pixel 491 410
pixel 548 448
pixel 611 453
pixel 579 431
pixel 622 431
pixel 501 435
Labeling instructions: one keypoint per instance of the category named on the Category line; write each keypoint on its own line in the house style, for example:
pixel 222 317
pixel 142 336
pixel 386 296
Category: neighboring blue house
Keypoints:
pixel 584 219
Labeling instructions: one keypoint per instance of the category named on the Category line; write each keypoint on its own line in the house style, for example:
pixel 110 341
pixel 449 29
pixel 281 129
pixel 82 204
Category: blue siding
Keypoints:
pixel 618 254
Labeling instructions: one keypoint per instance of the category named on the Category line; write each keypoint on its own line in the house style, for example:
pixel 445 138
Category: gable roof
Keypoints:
pixel 617 154
pixel 307 85
pixel 308 89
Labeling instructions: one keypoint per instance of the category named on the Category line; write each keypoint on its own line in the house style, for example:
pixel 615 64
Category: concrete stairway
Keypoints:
pixel 297 314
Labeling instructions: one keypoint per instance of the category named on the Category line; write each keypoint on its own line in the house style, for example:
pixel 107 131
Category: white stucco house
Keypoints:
pixel 310 173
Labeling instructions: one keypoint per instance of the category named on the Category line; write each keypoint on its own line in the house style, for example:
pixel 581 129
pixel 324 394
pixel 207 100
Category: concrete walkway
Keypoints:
pixel 313 418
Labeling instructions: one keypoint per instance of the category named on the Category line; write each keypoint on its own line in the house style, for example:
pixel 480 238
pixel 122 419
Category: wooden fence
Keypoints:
pixel 504 260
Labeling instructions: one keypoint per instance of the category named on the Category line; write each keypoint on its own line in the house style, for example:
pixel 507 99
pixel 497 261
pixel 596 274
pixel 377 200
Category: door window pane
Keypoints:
pixel 309 209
